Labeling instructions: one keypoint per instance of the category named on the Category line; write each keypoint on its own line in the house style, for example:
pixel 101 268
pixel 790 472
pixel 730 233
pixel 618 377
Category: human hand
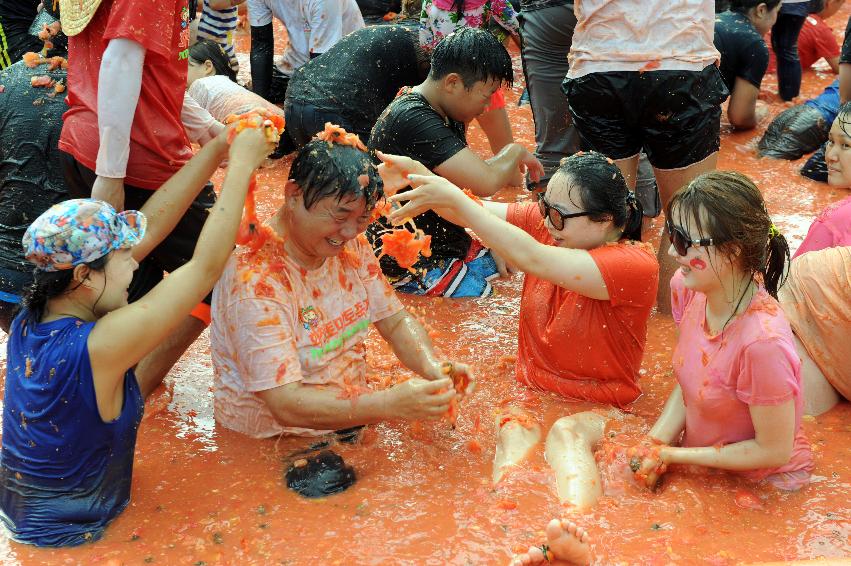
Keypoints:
pixel 250 146
pixel 505 270
pixel 431 193
pixel 220 142
pixel 111 190
pixel 417 399
pixel 530 163
pixel 460 373
pixel 646 463
pixel 394 171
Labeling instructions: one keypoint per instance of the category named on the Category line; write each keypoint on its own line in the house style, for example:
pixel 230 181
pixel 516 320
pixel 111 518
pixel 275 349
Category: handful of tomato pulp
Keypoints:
pixel 405 246
pixel 646 463
pixel 251 233
pixel 461 382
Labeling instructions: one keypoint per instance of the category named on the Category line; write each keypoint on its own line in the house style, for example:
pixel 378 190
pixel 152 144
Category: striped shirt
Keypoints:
pixel 219 26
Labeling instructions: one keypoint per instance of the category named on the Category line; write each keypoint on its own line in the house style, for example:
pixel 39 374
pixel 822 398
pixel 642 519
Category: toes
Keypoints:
pixel 554 529
pixel 535 555
pixel 575 530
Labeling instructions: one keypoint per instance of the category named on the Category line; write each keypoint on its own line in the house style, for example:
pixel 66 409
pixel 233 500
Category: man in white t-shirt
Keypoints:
pixel 313 27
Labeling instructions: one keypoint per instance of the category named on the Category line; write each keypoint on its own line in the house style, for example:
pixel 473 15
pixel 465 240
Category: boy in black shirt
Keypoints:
pixel 353 82
pixel 428 124
pixel 744 55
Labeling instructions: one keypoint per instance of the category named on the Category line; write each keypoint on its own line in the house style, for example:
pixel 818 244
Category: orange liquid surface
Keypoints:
pixel 203 495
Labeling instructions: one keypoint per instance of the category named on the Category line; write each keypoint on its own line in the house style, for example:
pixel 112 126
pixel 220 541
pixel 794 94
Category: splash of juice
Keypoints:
pixel 405 246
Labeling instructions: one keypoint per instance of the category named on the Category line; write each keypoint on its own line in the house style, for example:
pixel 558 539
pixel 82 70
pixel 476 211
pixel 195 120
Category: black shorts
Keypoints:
pixel 174 251
pixel 675 116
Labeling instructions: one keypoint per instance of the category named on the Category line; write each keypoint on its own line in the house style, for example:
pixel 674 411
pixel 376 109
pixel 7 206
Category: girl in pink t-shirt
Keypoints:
pixel 738 401
pixel 816 297
pixel 833 226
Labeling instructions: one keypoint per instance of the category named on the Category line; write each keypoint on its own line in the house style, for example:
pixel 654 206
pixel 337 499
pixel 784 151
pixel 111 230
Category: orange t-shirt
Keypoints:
pixel 584 348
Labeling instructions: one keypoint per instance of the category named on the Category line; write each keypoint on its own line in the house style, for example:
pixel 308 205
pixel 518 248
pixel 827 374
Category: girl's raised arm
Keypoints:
pixel 568 268
pixel 123 337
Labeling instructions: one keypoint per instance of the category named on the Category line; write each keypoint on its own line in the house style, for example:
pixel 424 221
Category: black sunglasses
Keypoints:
pixel 682 241
pixel 556 216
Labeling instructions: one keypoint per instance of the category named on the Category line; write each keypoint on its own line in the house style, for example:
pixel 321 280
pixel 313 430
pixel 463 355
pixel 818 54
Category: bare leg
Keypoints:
pixel 819 394
pixel 566 542
pixel 570 452
pixel 153 368
pixel 497 128
pixel 670 181
pixel 515 438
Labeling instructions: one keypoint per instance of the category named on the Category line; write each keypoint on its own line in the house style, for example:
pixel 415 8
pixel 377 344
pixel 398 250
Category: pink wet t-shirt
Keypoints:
pixel 752 362
pixel 832 228
pixel 275 323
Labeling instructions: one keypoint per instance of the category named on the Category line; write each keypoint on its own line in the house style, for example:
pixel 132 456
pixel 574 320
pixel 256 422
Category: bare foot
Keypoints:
pixel 566 543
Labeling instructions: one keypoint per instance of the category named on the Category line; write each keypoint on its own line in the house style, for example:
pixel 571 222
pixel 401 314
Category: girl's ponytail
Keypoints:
pixel 774 271
pixel 45 285
pixel 634 218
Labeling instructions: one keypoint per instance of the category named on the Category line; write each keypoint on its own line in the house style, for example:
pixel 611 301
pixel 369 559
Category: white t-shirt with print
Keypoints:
pixel 275 323
pixel 313 26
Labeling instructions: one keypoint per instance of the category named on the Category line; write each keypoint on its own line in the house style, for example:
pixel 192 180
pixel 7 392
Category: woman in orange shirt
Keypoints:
pixel 589 285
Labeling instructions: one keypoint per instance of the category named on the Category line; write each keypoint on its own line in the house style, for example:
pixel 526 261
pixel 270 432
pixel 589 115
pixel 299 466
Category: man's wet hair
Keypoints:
pixel 474 55
pixel 322 169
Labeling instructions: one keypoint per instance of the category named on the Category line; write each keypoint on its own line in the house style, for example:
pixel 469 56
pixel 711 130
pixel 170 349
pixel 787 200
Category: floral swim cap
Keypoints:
pixel 79 231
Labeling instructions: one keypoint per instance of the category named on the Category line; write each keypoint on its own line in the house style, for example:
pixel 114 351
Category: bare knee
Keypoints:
pixel 586 427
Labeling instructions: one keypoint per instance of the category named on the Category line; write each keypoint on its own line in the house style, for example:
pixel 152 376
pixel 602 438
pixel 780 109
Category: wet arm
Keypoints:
pixel 200 125
pixel 741 110
pixel 772 446
pixel 834 63
pixel 411 343
pixel 485 178
pixel 124 336
pixel 498 209
pixel 672 421
pixel 299 405
pixel 568 268
pixel 565 267
pixel 844 82
pixel 166 206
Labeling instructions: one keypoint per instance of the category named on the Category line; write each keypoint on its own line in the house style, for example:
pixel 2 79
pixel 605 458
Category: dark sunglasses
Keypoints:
pixel 556 216
pixel 682 241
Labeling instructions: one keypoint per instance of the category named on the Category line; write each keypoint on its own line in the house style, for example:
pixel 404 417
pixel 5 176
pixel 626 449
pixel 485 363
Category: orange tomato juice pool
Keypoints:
pixel 203 495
